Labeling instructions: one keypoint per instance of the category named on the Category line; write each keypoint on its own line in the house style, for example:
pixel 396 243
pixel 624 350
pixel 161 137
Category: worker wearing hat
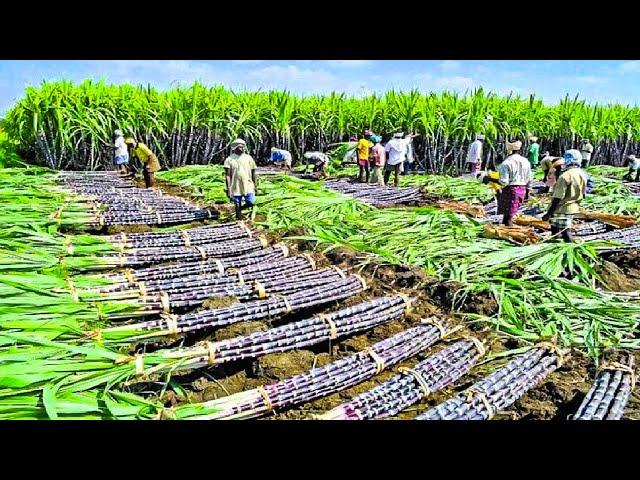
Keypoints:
pixel 364 155
pixel 586 150
pixel 281 157
pixel 396 149
pixel 121 153
pixel 515 178
pixel 474 156
pixel 240 178
pixel 634 168
pixel 568 192
pixel 148 159
pixel 379 155
pixel 534 152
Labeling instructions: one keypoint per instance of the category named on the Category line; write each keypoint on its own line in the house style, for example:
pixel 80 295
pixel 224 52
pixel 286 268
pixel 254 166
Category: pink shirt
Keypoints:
pixel 379 155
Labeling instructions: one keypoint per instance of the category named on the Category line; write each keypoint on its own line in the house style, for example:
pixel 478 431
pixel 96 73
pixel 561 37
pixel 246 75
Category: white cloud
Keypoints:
pixel 455 83
pixel 303 80
pixel 632 66
pixel 591 79
pixel 349 63
pixel 449 65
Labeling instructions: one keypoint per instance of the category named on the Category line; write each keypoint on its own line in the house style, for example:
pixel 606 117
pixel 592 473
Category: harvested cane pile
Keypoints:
pixel 331 378
pixel 115 201
pixel 500 389
pixel 412 385
pixel 616 221
pixel 516 234
pixel 376 195
pixel 627 236
pixel 610 392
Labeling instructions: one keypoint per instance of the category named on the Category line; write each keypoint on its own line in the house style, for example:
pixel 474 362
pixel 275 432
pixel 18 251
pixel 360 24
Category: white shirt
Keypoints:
pixel 409 150
pixel 121 147
pixel 475 152
pixel 515 171
pixel 634 164
pixel 397 150
pixel 317 156
pixel 586 151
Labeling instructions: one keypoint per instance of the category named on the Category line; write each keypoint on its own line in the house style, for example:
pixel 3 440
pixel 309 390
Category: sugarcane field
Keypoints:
pixel 203 253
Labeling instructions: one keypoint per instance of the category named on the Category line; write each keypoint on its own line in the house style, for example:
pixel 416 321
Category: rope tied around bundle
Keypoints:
pixel 554 350
pixel 202 252
pixel 186 238
pixel 68 244
pixel 267 400
pixel 622 368
pixel 287 305
pixel 376 358
pixel 312 262
pixel 172 323
pixel 246 229
pixel 211 353
pixel 130 275
pixel 333 329
pixel 72 290
pixel 166 304
pixel 260 289
pixel 473 393
pixel 478 344
pixel 407 302
pixel 422 383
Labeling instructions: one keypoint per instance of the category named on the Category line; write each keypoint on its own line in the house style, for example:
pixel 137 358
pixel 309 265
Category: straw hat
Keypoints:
pixel 130 141
pixel 274 149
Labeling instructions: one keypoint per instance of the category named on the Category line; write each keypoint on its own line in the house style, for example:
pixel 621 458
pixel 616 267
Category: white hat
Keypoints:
pixel 398 135
pixel 533 139
pixel 237 142
pixel 517 145
pixel 118 133
pixel 479 137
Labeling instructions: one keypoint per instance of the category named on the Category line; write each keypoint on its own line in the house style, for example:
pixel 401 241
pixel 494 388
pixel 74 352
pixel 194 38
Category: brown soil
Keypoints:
pixel 219 302
pixel 615 279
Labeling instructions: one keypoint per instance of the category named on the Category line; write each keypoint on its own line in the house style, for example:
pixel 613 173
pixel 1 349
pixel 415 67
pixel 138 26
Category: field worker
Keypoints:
pixel 396 149
pixel 121 153
pixel 364 153
pixel 240 177
pixel 515 177
pixel 281 157
pixel 148 159
pixel 534 152
pixel 379 160
pixel 586 150
pixel 320 161
pixel 551 167
pixel 474 156
pixel 569 191
pixel 634 168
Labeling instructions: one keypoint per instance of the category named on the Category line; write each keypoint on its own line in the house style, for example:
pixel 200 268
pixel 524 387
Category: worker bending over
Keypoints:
pixel 148 159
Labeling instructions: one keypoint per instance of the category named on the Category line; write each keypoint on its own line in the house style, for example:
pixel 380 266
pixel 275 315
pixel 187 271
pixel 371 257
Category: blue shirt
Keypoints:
pixel 277 156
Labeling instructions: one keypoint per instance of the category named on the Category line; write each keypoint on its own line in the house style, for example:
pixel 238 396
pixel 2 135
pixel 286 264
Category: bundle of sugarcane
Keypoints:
pixel 375 194
pixel 271 307
pixel 610 392
pixel 153 255
pixel 329 379
pixel 167 298
pixel 500 389
pixel 412 385
pixel 589 228
pixel 157 218
pixel 461 207
pixel 617 221
pixel 530 221
pixel 515 234
pixel 262 272
pixel 188 237
pixel 246 262
pixel 627 236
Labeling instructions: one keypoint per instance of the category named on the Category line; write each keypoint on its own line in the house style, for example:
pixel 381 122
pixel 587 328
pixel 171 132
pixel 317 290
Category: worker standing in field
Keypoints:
pixel 634 169
pixel 586 151
pixel 515 177
pixel 379 160
pixel 534 152
pixel 474 156
pixel 148 159
pixel 364 155
pixel 281 157
pixel 568 192
pixel 396 149
pixel 121 153
pixel 551 167
pixel 240 177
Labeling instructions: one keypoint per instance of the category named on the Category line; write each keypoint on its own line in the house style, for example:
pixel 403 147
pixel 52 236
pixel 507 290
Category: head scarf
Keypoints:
pixel 572 158
pixel 515 146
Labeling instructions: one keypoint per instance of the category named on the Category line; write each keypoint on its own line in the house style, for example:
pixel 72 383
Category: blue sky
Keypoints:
pixel 594 81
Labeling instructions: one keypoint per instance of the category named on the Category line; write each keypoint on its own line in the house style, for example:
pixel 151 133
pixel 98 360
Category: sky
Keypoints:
pixel 593 80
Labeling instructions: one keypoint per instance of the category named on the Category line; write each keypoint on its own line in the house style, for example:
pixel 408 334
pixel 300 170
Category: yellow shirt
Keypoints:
pixel 570 189
pixel 364 147
pixel 241 167
pixel 495 186
pixel 146 156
